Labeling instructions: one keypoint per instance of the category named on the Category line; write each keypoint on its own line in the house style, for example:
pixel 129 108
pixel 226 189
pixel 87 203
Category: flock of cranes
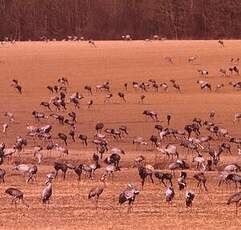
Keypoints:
pixel 195 146
pixel 74 38
pixel 190 138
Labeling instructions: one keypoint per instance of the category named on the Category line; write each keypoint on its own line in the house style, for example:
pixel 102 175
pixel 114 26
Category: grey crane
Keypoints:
pixel 70 122
pixel 176 85
pixel 92 43
pixel 179 164
pixel 29 171
pixel 88 89
pixel 10 116
pixel 50 88
pixel 90 169
pixel 17 86
pixel 110 169
pixel 63 137
pixel 63 167
pixel 78 171
pixel 234 178
pixel 126 86
pixel 99 126
pixel 47 191
pixel 144 172
pixel 114 159
pixel 90 103
pixel 16 194
pixel 72 116
pixel 189 198
pixel 142 97
pixel 129 194
pixel 108 97
pixel 33 169
pixel 182 180
pixel 5 127
pixel 221 43
pixel 38 115
pixel 123 130
pixel 170 193
pixel 200 177
pixel 211 115
pixel 168 119
pixel 83 138
pixel 58 117
pixel 192 59
pixel 72 134
pixel 235 198
pixel 97 191
pixel 163 176
pixel 122 96
pixel 223 71
pixel 45 104
pixel 151 114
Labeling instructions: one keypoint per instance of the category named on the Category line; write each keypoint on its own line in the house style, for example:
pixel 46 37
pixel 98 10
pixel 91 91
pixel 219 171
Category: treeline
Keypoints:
pixel 109 19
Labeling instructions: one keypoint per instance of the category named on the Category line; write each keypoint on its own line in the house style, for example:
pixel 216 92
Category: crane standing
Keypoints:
pixel 48 190
pixel 97 191
pixel 129 195
pixel 235 198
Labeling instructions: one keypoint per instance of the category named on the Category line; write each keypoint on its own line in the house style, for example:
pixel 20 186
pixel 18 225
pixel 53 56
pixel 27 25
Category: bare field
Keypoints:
pixel 38 64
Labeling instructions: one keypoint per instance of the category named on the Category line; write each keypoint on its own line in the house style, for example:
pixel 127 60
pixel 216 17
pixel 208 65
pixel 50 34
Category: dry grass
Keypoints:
pixel 37 65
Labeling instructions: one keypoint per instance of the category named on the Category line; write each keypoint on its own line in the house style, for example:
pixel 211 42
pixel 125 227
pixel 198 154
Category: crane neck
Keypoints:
pixel 104 183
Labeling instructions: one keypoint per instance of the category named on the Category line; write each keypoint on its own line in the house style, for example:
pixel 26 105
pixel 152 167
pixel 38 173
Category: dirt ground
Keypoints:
pixel 38 64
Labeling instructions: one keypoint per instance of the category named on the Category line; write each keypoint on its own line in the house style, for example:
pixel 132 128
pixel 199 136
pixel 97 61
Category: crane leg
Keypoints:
pixel 163 183
pixel 142 183
pixel 204 184
pixel 129 207
pixel 96 202
pixel 25 203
